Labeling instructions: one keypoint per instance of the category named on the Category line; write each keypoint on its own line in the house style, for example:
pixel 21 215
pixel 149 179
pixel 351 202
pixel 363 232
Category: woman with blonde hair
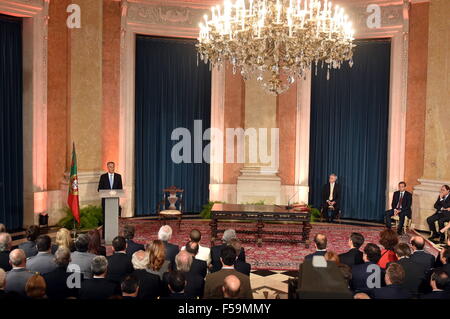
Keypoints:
pixel 156 258
pixel 63 239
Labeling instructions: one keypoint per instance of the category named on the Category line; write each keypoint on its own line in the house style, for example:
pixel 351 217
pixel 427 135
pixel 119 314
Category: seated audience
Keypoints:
pixel 171 250
pixel 17 277
pixel 361 272
pixel 150 285
pixel 36 287
pixel 176 284
pixel 195 283
pixel 439 282
pixel 99 287
pixel 320 241
pixel 5 249
pixel 158 263
pixel 95 243
pixel 240 265
pixel 438 262
pixel 388 239
pixel 63 239
pixel 216 250
pixel 132 246
pixel 354 256
pixel 214 281
pixel 419 255
pixel 29 247
pixel 346 270
pixel 81 259
pixel 56 280
pixel 130 287
pixel 231 287
pixel 394 278
pixel 119 263
pixel 198 266
pixel 43 262
pixel 204 253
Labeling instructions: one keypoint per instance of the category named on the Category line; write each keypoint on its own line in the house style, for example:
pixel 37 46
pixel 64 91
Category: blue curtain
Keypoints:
pixel 349 131
pixel 171 92
pixel 11 144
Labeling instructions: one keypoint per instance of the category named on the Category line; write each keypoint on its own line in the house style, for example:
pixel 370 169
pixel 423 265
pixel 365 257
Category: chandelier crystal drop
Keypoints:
pixel 276 41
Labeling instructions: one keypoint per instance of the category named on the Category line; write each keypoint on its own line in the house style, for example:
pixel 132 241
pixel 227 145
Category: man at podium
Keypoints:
pixel 110 180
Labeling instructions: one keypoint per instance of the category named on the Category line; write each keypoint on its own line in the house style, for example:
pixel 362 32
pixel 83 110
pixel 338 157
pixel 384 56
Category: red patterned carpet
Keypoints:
pixel 273 256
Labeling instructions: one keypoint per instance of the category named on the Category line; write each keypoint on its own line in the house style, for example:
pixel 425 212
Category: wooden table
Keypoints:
pixel 261 214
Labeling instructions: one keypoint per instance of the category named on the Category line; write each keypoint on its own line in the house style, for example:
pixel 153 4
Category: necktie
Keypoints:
pixel 399 205
pixel 111 181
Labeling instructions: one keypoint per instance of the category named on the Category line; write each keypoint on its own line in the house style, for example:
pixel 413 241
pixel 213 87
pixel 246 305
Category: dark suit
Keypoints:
pixel 214 283
pixel 29 247
pixel 441 215
pixel 330 214
pixel 437 295
pixel 360 274
pixel 56 282
pixel 316 253
pixel 150 285
pixel 104 183
pixel 404 206
pixel 391 292
pixel 4 260
pixel 415 275
pixel 195 285
pixel 242 267
pixel 119 265
pixel 423 258
pixel 171 252
pixel 177 295
pixel 215 257
pixel 98 288
pixel 198 267
pixel 352 257
pixel 133 247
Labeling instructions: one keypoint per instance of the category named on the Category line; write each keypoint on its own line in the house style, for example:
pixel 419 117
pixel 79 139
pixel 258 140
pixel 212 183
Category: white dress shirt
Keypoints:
pixel 330 198
pixel 111 180
pixel 203 254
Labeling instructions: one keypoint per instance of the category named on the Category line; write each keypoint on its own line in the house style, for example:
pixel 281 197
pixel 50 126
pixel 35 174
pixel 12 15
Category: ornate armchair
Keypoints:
pixel 171 205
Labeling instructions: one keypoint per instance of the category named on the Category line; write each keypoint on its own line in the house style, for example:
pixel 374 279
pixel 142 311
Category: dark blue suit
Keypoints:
pixel 391 292
pixel 171 252
pixel 360 274
pixel 316 253
pixel 405 209
pixel 133 247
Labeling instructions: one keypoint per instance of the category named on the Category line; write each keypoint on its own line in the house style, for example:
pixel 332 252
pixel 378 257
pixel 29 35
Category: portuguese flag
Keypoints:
pixel 72 200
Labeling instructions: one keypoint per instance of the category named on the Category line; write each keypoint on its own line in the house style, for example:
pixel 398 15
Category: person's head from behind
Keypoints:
pixel 195 235
pixel 395 274
pixel 129 231
pixel 119 244
pixel 35 287
pixel 356 240
pixel 165 233
pixel 140 260
pixel 176 281
pixel 183 261
pixel 2 279
pixel 332 256
pixel 82 243
pixel 236 244
pixel 156 255
pixel 192 248
pixel 320 240
pixel 130 286
pixel 439 279
pixel 5 242
pixel 231 287
pixel 95 241
pixel 372 253
pixel 99 266
pixel 32 233
pixel 332 178
pixel 43 243
pixel 2 228
pixel 17 258
pixel 445 256
pixel 228 235
pixel 228 256
pixel 63 238
pixel 111 167
pixel 402 186
pixel 445 190
pixel 402 250
pixel 417 243
pixel 62 257
pixel 388 239
pixel 361 295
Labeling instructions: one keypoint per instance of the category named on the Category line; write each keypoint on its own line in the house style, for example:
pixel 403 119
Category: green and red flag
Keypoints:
pixel 73 200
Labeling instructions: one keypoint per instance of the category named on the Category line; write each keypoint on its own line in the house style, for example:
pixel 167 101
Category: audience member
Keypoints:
pixel 150 285
pixel 132 246
pixel 394 278
pixel 195 283
pixel 388 239
pixel 216 264
pixel 43 262
pixel 439 282
pixel 320 241
pixel 345 269
pixel 171 250
pixel 81 259
pixel 419 255
pixel 176 284
pixel 95 243
pixel 17 277
pixel 119 263
pixel 29 247
pixel 56 280
pixel 361 295
pixel 158 263
pixel 198 266
pixel 35 287
pixel 445 258
pixel 438 262
pixel 3 294
pixel 5 249
pixel 63 239
pixel 240 265
pixel 130 287
pixel 354 256
pixel 2 228
pixel 204 253
pixel 231 287
pixel 99 287
pixel 361 272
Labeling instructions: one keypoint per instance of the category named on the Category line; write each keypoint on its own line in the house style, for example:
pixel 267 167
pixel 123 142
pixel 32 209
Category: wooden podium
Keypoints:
pixel 111 222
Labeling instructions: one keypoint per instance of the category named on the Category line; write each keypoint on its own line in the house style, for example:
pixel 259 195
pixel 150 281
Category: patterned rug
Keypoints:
pixel 273 256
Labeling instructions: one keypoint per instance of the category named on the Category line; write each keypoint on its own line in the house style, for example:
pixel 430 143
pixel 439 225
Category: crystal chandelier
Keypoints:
pixel 276 41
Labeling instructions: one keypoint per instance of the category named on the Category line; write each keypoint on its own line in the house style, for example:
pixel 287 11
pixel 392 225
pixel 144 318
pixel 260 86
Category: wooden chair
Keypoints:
pixel 337 217
pixel 407 224
pixel 172 205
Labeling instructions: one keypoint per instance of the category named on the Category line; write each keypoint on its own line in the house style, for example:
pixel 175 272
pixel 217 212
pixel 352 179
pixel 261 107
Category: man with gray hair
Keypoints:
pixel 5 247
pixel 195 284
pixel 216 264
pixel 164 235
pixel 17 277
pixel 56 280
pixel 99 287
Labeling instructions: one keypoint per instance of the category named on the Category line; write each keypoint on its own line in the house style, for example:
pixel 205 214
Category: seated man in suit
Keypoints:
pixel 240 265
pixel 176 285
pixel 419 255
pixel 354 256
pixel 109 180
pixel 370 268
pixel 198 266
pixel 214 281
pixel 130 287
pixel 204 253
pixel 164 235
pixel 445 259
pixel 80 259
pixel 231 287
pixel 43 262
pixel 394 278
pixel 216 265
pixel 320 241
pixel 442 214
pixel 119 263
pixel 56 280
pixel 439 282
pixel 99 287
pixel 5 249
pixel 331 193
pixel 17 277
pixel 195 283
pixel 400 206
pixel 29 247
pixel 132 246
pixel 150 285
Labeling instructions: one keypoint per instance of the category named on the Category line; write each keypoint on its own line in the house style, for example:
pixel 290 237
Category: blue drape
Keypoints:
pixel 171 92
pixel 349 131
pixel 11 144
